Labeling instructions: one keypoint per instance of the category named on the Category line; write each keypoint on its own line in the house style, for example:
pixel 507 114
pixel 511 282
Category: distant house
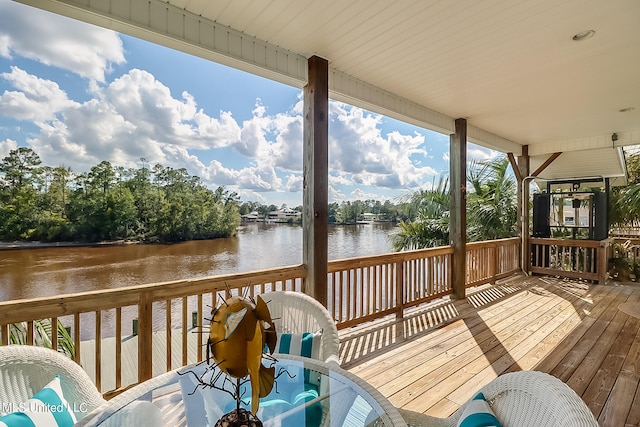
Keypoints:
pixel 250 217
pixel 284 215
pixel 367 218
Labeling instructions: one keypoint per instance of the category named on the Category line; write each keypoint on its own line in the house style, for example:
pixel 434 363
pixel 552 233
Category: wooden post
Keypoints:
pixel 603 261
pixel 145 336
pixel 523 205
pixel 400 289
pixel 458 209
pixel 316 178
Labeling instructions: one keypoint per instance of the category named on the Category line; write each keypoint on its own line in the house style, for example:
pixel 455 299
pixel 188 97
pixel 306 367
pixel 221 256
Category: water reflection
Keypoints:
pixel 63 270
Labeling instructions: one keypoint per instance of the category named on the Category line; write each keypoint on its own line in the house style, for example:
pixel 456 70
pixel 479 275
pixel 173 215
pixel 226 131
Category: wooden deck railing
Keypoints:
pixel 492 260
pixel 160 310
pixel 365 288
pixel 580 259
pixel 171 317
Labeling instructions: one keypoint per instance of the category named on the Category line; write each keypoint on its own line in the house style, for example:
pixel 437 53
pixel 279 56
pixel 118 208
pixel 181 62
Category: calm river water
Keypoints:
pixel 54 271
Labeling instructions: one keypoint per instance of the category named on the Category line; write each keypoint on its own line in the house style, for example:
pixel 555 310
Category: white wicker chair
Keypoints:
pixel 120 412
pixel 296 312
pixel 25 369
pixel 523 399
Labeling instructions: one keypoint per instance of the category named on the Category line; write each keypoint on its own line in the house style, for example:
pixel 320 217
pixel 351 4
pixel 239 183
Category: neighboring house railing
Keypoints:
pixel 127 335
pixel 630 232
pixel 579 259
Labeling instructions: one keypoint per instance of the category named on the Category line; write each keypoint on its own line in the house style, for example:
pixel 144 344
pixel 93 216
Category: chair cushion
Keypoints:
pixel 478 413
pixel 306 344
pixel 47 407
pixel 289 394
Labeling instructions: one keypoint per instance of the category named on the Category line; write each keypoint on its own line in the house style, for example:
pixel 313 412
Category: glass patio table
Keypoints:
pixel 306 393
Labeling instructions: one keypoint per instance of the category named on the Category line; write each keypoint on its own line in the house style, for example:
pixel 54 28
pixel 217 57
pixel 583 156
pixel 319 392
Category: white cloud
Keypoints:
pixel 260 178
pixel 287 149
pixel 254 178
pixel 34 99
pixel 135 116
pixel 339 178
pixel 477 153
pixel 357 147
pixel 253 196
pixel 336 195
pixel 294 183
pixel 358 194
pixel 6 146
pixel 58 41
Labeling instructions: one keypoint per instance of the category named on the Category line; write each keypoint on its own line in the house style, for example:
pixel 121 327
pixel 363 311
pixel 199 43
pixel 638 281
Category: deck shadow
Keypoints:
pixel 385 335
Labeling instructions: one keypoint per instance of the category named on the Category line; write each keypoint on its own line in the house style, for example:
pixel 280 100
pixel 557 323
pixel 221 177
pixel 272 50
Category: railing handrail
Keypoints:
pixel 339 264
pixel 68 304
pixel 566 242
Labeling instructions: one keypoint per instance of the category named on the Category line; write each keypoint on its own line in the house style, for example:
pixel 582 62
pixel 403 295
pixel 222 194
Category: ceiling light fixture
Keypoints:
pixel 584 35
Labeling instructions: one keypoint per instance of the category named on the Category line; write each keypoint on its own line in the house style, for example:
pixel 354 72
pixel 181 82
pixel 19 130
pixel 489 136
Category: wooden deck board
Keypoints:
pixel 435 358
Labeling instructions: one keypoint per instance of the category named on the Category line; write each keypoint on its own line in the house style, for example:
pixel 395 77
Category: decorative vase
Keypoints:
pixel 239 418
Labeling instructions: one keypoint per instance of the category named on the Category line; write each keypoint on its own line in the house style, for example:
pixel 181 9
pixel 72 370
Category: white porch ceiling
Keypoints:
pixel 510 68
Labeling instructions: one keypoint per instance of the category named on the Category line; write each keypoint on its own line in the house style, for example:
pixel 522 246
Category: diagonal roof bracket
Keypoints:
pixel 514 166
pixel 546 163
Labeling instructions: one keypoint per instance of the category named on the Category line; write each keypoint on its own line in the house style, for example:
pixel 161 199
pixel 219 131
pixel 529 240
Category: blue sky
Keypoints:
pixel 79 94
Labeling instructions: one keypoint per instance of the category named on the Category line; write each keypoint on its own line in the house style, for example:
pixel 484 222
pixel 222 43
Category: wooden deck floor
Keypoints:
pixel 438 356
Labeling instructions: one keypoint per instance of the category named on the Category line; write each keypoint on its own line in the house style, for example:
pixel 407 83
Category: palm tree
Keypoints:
pixel 624 202
pixel 430 227
pixel 491 207
pixel 43 333
pixel 491 201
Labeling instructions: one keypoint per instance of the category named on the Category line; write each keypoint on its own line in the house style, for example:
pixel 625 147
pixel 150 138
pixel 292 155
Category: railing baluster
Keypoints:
pixel 118 347
pixel 98 354
pixel 185 326
pixel 399 294
pixel 54 333
pixel 199 327
pixel 4 329
pixel 168 325
pixel 30 332
pixel 76 337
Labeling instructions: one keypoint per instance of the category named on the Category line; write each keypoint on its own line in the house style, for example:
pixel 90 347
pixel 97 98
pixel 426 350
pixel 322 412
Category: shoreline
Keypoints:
pixel 42 245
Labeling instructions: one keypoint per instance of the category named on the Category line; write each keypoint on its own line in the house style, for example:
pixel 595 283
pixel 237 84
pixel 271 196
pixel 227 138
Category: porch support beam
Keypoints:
pixel 458 208
pixel 523 208
pixel 315 215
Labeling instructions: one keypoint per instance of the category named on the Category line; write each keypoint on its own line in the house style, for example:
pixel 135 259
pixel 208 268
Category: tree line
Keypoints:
pixel 162 204
pixel 158 204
